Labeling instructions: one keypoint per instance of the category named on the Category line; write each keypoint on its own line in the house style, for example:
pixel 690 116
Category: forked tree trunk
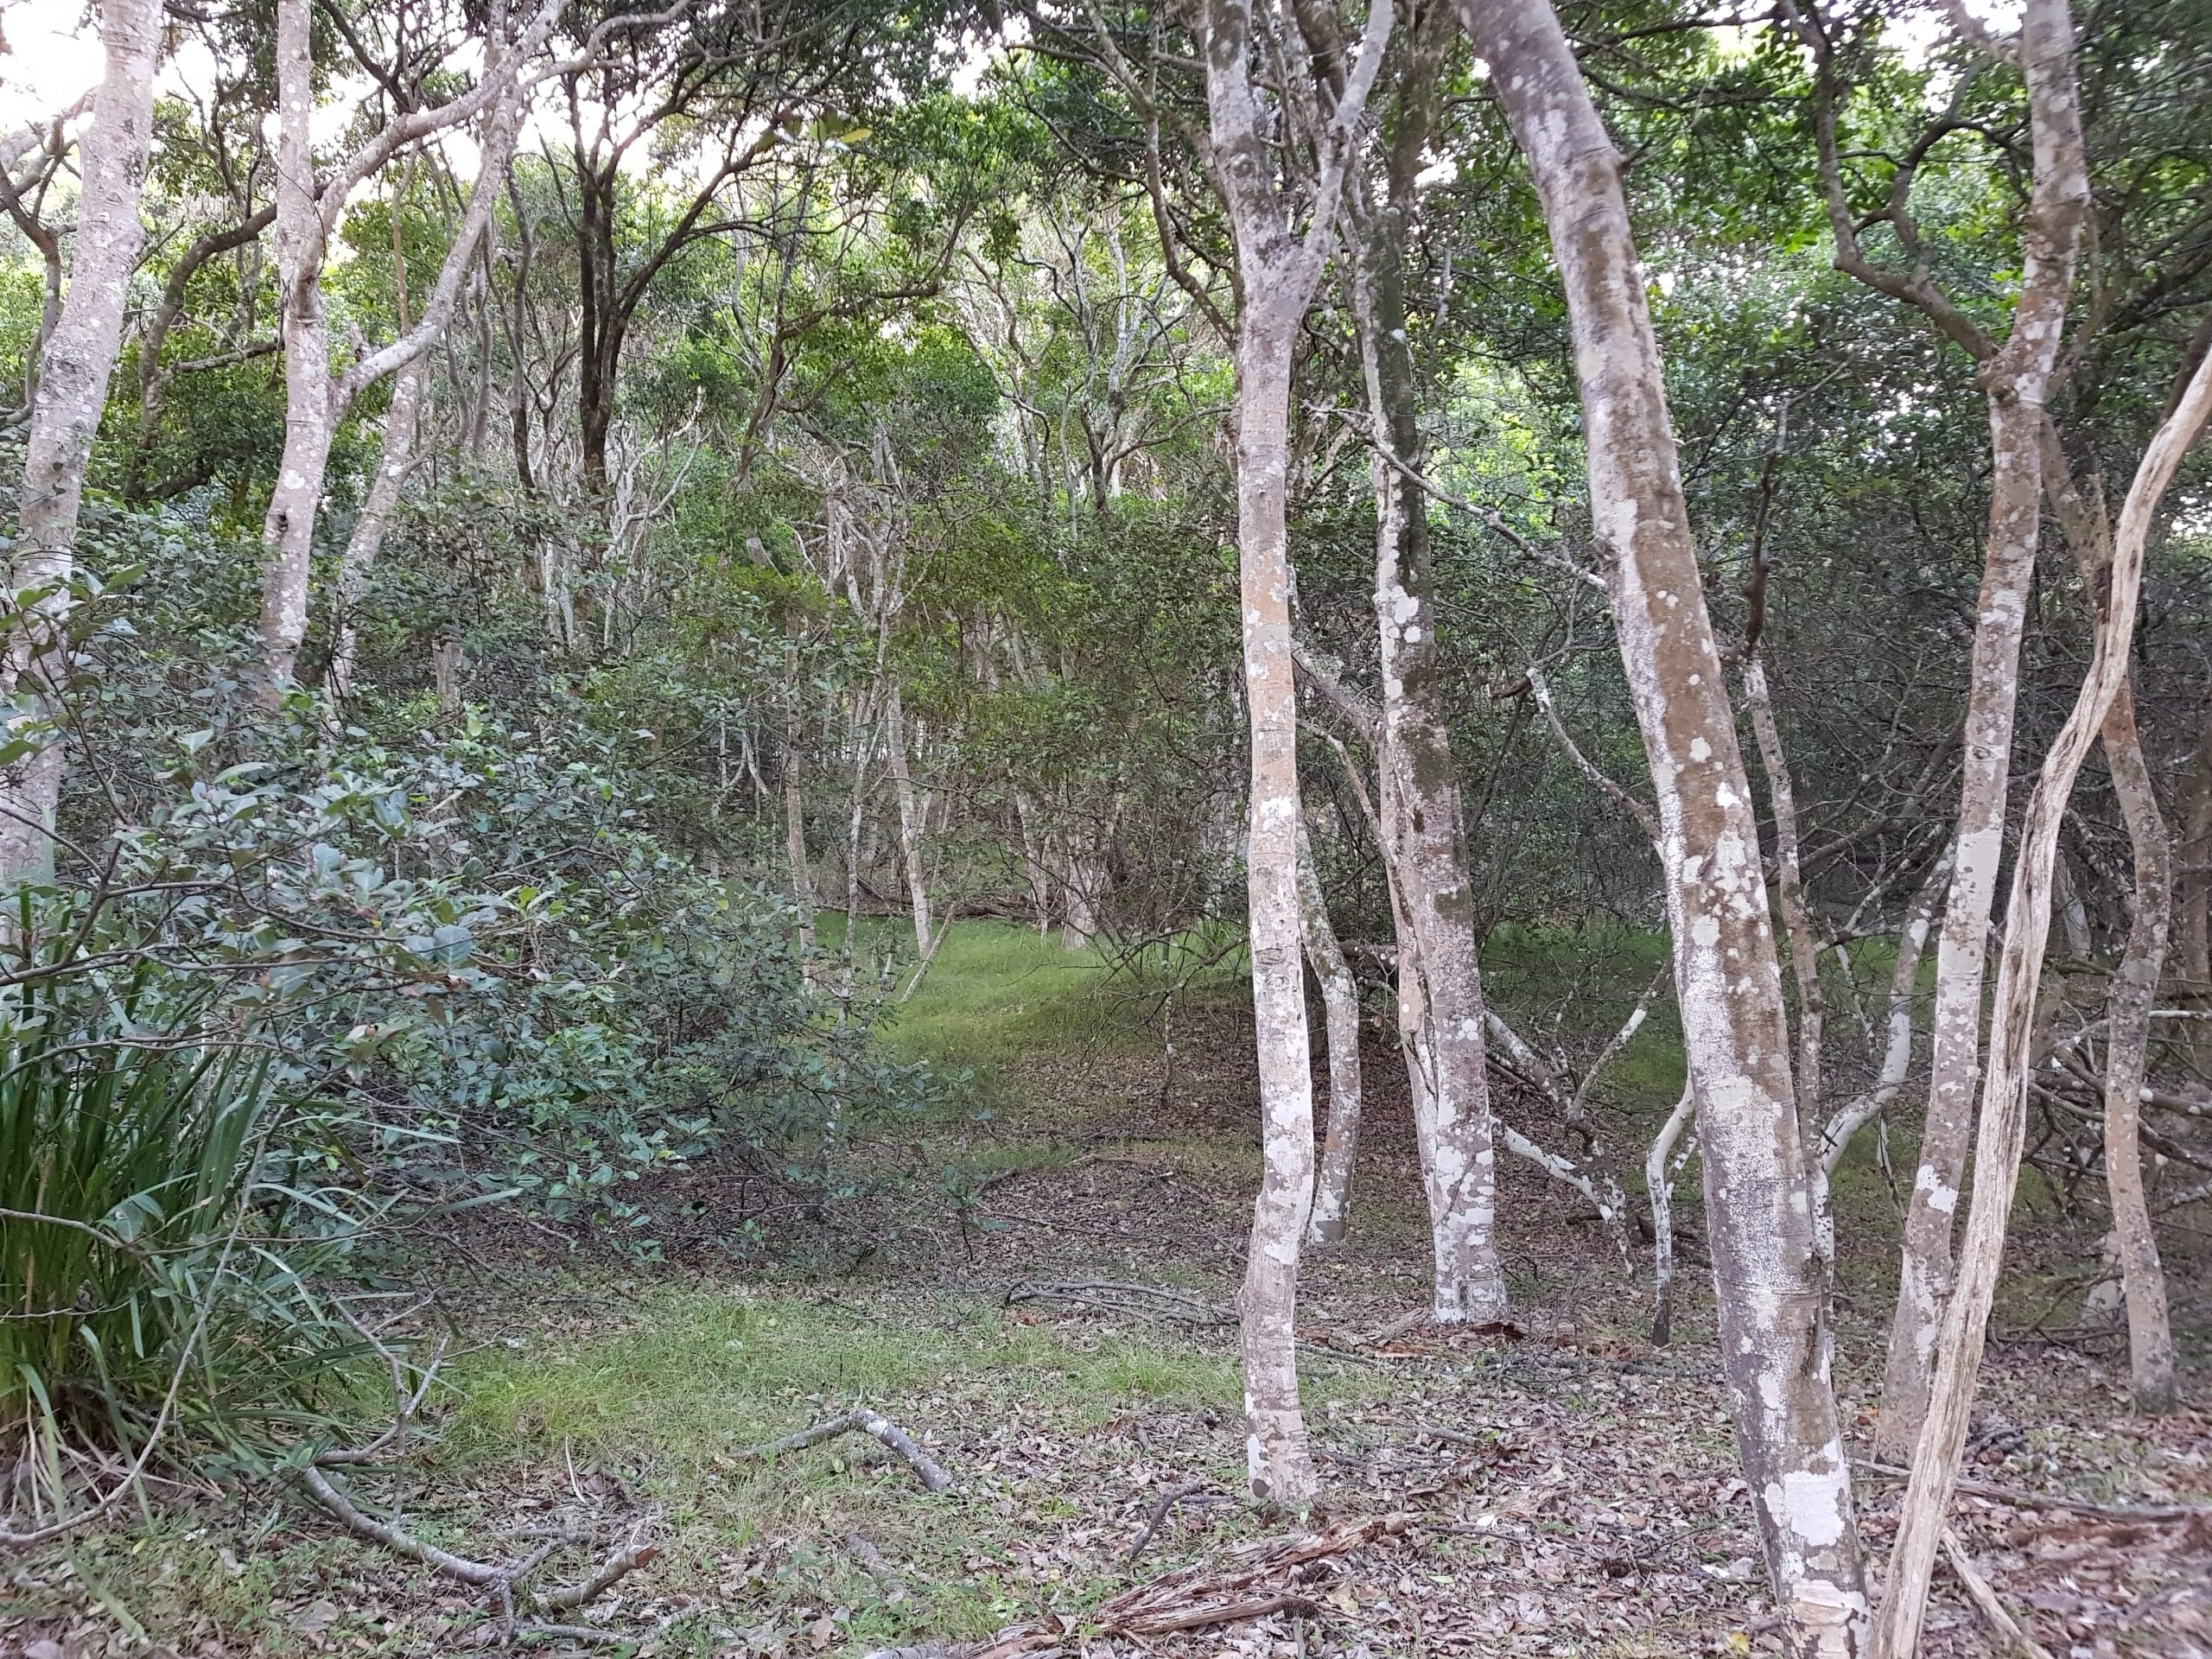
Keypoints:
pixel 1427 848
pixel 1774 1342
pixel 2004 1094
pixel 1277 270
pixel 2015 379
pixel 1340 1001
pixel 74 371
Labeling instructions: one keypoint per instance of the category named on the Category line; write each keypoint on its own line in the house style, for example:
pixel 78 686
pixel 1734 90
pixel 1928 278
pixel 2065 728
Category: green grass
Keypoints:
pixel 699 1375
pixel 998 994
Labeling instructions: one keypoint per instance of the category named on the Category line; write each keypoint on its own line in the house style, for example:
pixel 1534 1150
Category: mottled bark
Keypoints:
pixel 910 817
pixel 2142 963
pixel 1735 1027
pixel 74 368
pixel 1340 1004
pixel 1789 891
pixel 2015 378
pixel 1659 1188
pixel 2004 1092
pixel 2128 1039
pixel 315 402
pixel 1278 267
pixel 1427 844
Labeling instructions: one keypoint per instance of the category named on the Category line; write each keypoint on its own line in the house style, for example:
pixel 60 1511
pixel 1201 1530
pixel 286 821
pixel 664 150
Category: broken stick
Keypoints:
pixel 861 1421
pixel 1980 1592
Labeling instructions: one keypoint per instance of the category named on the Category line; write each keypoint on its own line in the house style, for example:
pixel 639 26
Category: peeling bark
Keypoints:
pixel 1659 1188
pixel 74 369
pixel 1766 1263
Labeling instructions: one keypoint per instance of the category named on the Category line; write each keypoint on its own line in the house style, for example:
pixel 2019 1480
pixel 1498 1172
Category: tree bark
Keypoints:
pixel 2134 988
pixel 2005 1092
pixel 314 402
pixel 74 368
pixel 1766 1263
pixel 394 461
pixel 2127 1039
pixel 1278 1463
pixel 1277 270
pixel 910 817
pixel 2194 878
pixel 1420 785
pixel 1340 1001
pixel 2015 379
pixel 1659 1188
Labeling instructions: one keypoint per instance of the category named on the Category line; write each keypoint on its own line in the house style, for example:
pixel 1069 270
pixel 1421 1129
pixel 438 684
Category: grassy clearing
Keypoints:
pixel 998 994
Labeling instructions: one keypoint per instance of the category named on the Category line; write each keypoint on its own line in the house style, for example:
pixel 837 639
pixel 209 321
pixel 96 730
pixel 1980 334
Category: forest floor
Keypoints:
pixel 1552 1485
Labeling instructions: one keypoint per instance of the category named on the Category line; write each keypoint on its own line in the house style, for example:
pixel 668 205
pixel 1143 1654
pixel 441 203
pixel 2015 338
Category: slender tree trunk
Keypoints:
pixel 2194 878
pixel 2135 985
pixel 74 366
pixel 2002 1131
pixel 394 461
pixel 1427 845
pixel 2128 1039
pixel 1897 1052
pixel 1340 999
pixel 1766 1263
pixel 287 529
pixel 1659 1186
pixel 1277 1461
pixel 911 816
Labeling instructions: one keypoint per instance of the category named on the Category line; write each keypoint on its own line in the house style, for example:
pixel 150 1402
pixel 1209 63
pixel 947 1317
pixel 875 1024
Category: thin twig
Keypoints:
pixel 862 1420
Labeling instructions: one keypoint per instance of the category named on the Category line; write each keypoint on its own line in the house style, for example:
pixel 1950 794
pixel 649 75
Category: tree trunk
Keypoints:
pixel 2027 926
pixel 910 817
pixel 1277 1461
pixel 2135 985
pixel 287 529
pixel 1340 999
pixel 1735 1029
pixel 2194 878
pixel 2128 1039
pixel 1420 783
pixel 1659 1188
pixel 394 461
pixel 74 371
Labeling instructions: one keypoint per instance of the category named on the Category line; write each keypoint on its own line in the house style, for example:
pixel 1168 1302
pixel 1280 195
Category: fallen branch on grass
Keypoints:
pixel 860 1419
pixel 2014 1498
pixel 501 1579
pixel 1261 1578
pixel 2009 1628
pixel 1168 1500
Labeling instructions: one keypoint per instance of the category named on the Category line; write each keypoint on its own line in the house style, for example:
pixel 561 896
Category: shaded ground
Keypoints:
pixel 1571 1489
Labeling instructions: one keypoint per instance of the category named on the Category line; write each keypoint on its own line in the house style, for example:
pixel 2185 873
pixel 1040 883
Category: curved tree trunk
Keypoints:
pixel 1735 1029
pixel 2002 1131
pixel 394 461
pixel 73 372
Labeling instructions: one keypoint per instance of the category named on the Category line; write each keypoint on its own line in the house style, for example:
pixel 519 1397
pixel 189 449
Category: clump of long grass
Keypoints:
pixel 154 1265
